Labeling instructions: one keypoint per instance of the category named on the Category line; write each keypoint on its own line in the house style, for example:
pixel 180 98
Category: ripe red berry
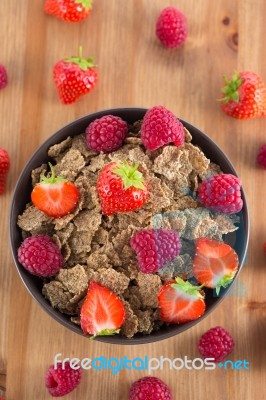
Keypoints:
pixel 160 127
pixel 3 77
pixel 150 388
pixel 261 157
pixel 106 134
pixel 4 168
pixel 244 96
pixel 69 10
pixel 171 27
pixel 155 248
pixel 216 343
pixel 74 77
pixel 40 256
pixel 61 381
pixel 221 193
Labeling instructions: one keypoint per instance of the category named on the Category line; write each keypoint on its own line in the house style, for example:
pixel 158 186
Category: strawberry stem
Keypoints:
pixel 53 178
pixel 83 63
pixel 87 4
pixel 130 175
pixel 105 332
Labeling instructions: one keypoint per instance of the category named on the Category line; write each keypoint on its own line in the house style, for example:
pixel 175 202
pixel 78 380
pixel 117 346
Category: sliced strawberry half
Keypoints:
pixel 102 312
pixel 55 196
pixel 180 301
pixel 215 263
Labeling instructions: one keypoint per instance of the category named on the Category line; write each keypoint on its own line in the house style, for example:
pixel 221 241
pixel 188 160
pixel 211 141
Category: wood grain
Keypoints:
pixel 134 71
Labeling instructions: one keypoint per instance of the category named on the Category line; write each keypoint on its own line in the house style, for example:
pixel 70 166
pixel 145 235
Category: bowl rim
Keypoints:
pixel 60 317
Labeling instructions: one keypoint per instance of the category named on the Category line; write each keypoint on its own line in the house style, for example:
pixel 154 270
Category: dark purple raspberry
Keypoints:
pixel 160 127
pixel 106 134
pixel 216 343
pixel 261 157
pixel 171 27
pixel 149 388
pixel 40 256
pixel 155 248
pixel 61 381
pixel 3 77
pixel 221 193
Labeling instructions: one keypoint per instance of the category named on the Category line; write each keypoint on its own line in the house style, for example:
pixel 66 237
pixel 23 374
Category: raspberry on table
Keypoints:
pixel 155 248
pixel 171 27
pixel 40 256
pixel 106 134
pixel 221 193
pixel 3 77
pixel 261 157
pixel 149 388
pixel 216 343
pixel 61 381
pixel 160 127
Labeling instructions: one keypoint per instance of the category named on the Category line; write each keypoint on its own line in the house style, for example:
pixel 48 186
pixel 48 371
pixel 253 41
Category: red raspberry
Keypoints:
pixel 3 77
pixel 171 27
pixel 261 157
pixel 149 388
pixel 155 248
pixel 216 343
pixel 61 381
pixel 4 168
pixel 106 134
pixel 160 126
pixel 221 193
pixel 40 256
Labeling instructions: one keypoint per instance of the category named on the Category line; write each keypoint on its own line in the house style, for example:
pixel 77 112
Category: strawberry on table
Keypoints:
pixel 121 188
pixel 74 77
pixel 180 302
pixel 4 168
pixel 244 96
pixel 102 312
pixel 55 196
pixel 69 10
pixel 215 264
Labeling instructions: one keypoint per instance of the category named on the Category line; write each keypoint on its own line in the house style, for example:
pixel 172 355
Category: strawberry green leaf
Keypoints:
pixel 130 175
pixel 187 287
pixel 231 89
pixel 224 282
pixel 87 4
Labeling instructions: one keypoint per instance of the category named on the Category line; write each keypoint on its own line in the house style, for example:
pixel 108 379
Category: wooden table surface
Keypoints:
pixel 135 70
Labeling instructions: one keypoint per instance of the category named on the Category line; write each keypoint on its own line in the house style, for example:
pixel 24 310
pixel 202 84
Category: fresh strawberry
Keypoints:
pixel 102 312
pixel 121 188
pixel 4 168
pixel 55 196
pixel 215 264
pixel 245 96
pixel 74 77
pixel 180 302
pixel 69 10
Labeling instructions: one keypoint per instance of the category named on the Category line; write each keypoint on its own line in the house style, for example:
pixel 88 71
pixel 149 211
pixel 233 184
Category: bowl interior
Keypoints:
pixel 21 196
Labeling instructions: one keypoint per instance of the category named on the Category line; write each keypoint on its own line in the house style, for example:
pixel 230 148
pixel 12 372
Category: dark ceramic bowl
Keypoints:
pixel 238 240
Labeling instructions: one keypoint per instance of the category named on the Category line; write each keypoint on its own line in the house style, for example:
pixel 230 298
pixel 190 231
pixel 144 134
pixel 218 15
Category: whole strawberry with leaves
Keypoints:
pixel 121 188
pixel 69 10
pixel 244 96
pixel 74 77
